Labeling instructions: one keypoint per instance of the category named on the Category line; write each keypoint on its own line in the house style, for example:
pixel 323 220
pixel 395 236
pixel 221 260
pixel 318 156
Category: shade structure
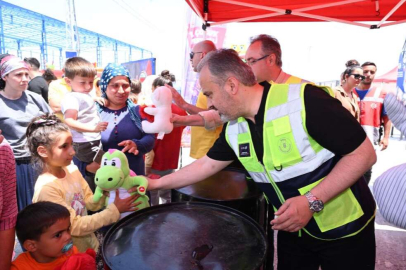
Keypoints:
pixel 356 12
pixel 389 77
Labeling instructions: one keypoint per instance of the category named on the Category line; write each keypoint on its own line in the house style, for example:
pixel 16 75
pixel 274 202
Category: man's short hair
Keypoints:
pixel 78 66
pixel 34 63
pixel 269 45
pixel 36 218
pixel 368 64
pixel 224 63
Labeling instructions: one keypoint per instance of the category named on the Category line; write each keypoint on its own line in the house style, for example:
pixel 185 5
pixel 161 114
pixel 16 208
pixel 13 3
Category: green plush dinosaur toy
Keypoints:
pixel 115 173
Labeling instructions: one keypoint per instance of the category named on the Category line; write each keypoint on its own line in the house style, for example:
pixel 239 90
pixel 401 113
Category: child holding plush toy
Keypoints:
pixel 50 143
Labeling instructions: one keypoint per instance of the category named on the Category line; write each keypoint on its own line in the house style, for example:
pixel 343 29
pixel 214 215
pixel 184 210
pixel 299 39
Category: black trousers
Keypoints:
pixel 308 253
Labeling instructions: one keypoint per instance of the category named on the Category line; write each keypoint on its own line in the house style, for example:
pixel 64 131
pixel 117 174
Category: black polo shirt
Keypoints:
pixel 327 121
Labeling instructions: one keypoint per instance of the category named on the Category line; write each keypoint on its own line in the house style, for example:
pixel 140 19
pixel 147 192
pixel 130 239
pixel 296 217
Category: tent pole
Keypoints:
pixel 391 12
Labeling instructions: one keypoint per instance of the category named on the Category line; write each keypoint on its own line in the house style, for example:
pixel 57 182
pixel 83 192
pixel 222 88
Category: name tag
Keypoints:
pixel 244 150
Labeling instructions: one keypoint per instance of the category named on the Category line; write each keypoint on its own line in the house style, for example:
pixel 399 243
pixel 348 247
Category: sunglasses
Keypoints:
pixel 193 54
pixel 357 76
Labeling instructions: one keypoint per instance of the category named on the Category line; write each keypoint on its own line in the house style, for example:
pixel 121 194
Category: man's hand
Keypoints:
pixel 177 98
pixel 293 215
pixel 384 143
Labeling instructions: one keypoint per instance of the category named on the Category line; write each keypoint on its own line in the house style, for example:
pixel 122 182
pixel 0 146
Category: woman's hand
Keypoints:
pixel 102 101
pixel 127 204
pixel 129 146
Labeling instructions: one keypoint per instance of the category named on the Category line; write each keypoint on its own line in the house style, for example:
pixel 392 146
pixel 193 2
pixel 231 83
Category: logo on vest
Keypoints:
pixel 244 150
pixel 373 105
pixel 284 145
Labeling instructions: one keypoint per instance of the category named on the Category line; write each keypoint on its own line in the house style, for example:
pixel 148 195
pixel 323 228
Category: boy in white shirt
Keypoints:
pixel 80 113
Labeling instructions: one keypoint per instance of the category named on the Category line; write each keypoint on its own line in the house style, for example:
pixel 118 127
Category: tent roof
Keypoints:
pixel 354 12
pixel 388 77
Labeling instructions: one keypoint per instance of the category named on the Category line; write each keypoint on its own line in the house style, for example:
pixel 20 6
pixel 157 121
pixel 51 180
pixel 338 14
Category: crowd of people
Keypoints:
pixel 309 148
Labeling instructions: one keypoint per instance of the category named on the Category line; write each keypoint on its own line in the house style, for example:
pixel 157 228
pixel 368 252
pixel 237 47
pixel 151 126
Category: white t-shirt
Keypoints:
pixel 87 114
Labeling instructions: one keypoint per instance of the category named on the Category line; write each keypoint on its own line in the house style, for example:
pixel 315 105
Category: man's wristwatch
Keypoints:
pixel 315 204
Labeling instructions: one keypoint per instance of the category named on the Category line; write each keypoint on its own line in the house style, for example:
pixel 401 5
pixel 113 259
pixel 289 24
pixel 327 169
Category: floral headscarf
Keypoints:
pixel 113 70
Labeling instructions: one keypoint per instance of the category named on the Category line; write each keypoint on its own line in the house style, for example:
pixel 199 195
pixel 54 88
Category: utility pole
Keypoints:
pixel 72 33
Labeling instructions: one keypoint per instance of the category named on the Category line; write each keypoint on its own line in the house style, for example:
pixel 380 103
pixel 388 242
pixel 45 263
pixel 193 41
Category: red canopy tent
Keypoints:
pixel 388 77
pixel 387 80
pixel 354 12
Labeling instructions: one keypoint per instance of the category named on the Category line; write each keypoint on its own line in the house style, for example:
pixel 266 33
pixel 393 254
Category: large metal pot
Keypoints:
pixel 187 235
pixel 229 188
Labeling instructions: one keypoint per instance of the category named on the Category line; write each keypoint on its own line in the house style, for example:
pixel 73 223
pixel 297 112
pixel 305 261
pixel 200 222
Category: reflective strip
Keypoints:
pixel 302 167
pixel 242 127
pixel 293 105
pixel 259 177
pixel 294 92
pixel 377 92
pixel 232 132
pixel 373 99
pixel 284 109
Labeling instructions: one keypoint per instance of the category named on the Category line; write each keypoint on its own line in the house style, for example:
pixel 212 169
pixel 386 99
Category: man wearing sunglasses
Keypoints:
pixel 201 139
pixel 373 114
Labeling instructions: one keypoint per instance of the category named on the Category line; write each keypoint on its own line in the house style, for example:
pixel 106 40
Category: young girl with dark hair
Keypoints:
pixel 50 144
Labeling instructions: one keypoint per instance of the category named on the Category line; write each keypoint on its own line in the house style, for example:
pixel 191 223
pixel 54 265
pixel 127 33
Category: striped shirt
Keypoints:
pixel 8 198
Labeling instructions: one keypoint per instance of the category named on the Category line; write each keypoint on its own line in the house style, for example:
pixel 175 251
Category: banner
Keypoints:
pixel 190 84
pixel 140 69
pixel 195 34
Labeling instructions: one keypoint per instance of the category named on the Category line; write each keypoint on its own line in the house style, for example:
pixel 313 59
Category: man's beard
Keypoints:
pixel 225 118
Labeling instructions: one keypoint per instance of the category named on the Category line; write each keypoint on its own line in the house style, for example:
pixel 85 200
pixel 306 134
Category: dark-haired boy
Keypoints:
pixel 43 230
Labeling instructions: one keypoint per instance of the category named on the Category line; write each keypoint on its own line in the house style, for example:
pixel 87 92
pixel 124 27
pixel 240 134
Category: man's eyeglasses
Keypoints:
pixel 252 61
pixel 357 76
pixel 193 54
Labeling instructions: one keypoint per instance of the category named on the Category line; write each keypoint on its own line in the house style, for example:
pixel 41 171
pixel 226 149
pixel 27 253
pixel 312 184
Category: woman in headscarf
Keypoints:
pixel 18 107
pixel 124 130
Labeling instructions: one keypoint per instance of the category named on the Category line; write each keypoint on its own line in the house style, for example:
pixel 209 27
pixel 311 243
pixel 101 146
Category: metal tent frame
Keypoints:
pixel 27 33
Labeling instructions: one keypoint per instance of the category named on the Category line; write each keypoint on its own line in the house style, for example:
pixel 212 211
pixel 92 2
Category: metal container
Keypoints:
pixel 185 236
pixel 229 188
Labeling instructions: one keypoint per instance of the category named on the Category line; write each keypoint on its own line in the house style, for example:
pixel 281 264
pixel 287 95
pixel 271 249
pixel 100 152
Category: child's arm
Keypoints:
pixel 71 117
pixel 80 225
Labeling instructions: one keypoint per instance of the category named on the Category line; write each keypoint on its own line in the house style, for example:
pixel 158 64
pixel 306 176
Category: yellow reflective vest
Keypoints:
pixel 294 163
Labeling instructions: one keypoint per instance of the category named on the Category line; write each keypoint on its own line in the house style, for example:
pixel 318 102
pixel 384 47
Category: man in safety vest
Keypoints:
pixel 372 111
pixel 304 151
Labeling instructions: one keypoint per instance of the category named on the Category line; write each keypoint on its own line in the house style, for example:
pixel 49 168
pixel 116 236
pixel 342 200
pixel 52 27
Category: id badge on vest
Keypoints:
pixel 244 150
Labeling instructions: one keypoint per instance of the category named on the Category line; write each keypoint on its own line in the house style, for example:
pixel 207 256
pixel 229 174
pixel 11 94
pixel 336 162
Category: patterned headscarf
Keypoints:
pixel 113 70
pixel 11 63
